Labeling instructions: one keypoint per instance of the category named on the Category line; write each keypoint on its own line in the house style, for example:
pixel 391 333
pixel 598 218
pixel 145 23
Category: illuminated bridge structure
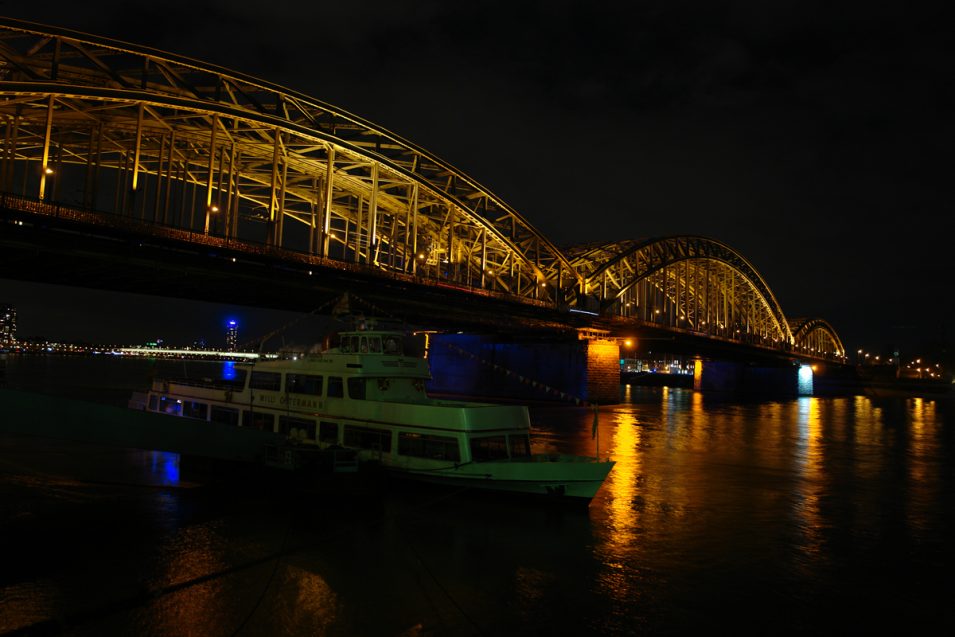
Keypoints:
pixel 113 135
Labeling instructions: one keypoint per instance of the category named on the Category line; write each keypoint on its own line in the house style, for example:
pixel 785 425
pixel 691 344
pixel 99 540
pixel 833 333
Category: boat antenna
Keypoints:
pixel 261 341
pixel 345 312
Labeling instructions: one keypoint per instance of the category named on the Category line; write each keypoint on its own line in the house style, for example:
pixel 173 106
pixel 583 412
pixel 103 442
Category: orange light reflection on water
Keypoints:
pixel 621 534
pixel 622 481
pixel 924 476
pixel 810 462
pixel 305 601
pixel 191 553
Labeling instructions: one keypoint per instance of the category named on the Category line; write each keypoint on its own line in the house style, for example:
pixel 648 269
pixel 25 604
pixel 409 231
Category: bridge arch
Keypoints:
pixel 687 282
pixel 816 337
pixel 106 125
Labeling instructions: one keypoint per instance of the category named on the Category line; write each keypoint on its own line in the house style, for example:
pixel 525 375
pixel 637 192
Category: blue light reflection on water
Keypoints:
pixel 228 370
pixel 164 465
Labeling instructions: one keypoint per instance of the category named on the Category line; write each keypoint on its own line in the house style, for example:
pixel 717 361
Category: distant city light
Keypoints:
pixel 232 335
pixel 186 352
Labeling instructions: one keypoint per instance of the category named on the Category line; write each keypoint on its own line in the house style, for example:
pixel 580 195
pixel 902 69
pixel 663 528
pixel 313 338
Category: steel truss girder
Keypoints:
pixel 108 84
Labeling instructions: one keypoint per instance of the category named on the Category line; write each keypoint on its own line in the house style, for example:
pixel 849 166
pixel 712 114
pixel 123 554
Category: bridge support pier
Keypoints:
pixel 741 378
pixel 494 367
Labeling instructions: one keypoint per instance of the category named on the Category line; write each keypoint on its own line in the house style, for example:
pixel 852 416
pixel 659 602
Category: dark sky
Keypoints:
pixel 812 137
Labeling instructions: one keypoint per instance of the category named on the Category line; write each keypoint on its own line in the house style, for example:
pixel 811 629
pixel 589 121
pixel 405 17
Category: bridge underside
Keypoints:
pixel 66 252
pixel 63 252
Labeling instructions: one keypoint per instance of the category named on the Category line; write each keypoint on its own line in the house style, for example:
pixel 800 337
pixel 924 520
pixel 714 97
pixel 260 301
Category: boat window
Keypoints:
pixel 224 415
pixel 364 345
pixel 520 445
pixel 297 427
pixel 356 388
pixel 328 432
pixel 488 448
pixel 355 344
pixel 367 438
pixel 392 345
pixel 336 388
pixel 425 446
pixel 374 344
pixel 258 420
pixel 153 402
pixel 303 384
pixel 171 406
pixel 344 345
pixel 271 381
pixel 192 409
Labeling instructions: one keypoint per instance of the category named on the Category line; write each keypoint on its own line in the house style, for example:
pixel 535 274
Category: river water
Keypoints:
pixel 797 516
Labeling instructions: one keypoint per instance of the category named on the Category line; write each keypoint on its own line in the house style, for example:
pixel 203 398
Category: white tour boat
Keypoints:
pixel 368 395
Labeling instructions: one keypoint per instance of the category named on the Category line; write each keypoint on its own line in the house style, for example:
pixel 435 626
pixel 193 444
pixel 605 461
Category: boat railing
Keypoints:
pixel 203 383
pixel 556 457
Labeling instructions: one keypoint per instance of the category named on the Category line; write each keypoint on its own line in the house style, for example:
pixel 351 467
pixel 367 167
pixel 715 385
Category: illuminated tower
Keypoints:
pixel 8 324
pixel 231 335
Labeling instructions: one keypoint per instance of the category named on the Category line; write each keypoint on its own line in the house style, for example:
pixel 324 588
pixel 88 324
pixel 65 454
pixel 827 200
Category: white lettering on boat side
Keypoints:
pixel 291 401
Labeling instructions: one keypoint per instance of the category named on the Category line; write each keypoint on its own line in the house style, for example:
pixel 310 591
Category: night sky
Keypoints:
pixel 812 137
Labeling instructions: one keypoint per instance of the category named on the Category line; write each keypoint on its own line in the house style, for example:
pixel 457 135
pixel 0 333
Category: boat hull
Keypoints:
pixel 557 477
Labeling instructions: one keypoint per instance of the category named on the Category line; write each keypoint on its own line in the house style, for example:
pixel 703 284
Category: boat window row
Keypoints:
pixel 358 387
pixel 224 415
pixel 371 344
pixel 367 438
pixel 302 428
pixel 428 446
pixel 413 444
pixel 303 384
pixel 501 447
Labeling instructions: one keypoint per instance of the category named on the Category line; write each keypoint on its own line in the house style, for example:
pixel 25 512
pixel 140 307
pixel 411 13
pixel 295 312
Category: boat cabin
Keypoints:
pixel 367 394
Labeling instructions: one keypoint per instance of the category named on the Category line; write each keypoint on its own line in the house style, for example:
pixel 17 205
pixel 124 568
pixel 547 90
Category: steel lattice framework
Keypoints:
pixel 199 147
pixel 688 282
pixel 102 125
pixel 815 337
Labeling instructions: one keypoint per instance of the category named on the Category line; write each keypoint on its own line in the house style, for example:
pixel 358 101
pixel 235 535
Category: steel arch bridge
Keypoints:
pixel 816 337
pixel 687 282
pixel 171 142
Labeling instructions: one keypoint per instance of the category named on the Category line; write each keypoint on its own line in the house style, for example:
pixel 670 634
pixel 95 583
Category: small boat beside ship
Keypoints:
pixel 368 395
